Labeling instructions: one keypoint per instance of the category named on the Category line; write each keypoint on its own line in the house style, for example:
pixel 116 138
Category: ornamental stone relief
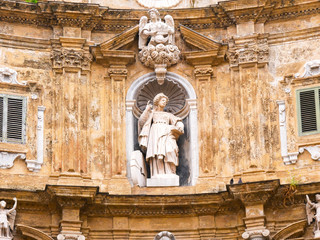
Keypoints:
pixel 177 104
pixel 71 58
pixel 254 50
pixel 157 43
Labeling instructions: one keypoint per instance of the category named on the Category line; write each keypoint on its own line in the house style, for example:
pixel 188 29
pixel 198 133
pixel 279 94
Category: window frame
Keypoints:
pixel 4 138
pixel 317 110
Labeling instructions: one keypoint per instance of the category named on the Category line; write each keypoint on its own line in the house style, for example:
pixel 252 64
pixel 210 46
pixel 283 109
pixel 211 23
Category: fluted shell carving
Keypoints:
pixel 177 104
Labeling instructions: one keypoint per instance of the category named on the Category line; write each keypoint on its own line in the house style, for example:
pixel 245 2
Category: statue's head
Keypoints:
pixel 3 204
pixel 159 97
pixel 154 14
pixel 318 197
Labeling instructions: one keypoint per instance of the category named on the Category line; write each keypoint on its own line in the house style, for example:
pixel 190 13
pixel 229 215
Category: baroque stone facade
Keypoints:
pixel 234 73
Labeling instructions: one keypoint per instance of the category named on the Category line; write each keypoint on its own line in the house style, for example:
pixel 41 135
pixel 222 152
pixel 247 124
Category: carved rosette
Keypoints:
pixel 253 51
pixel 69 58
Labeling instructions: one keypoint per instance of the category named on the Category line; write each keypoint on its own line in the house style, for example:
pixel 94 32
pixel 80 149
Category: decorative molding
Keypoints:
pixel 198 40
pixel 288 158
pixel 313 150
pixel 7 159
pixel 120 40
pixel 9 76
pixel 35 165
pixel 99 18
pixel 210 52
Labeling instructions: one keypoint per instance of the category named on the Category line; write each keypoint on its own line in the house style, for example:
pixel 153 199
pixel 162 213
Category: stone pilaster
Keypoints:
pixel 118 75
pixel 254 196
pixel 248 59
pixel 71 67
pixel 203 75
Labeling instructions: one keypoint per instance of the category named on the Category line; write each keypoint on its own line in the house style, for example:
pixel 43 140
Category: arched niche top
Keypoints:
pixel 189 153
pixel 137 84
pixel 33 233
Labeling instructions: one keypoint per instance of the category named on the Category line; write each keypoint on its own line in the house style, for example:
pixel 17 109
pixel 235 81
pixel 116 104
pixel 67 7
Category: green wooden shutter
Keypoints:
pixel 15 120
pixel 308 106
pixel 12 118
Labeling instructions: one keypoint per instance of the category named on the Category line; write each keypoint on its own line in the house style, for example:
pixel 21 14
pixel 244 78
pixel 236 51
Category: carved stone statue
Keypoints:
pixel 313 212
pixel 164 235
pixel 158 135
pixel 157 43
pixel 7 218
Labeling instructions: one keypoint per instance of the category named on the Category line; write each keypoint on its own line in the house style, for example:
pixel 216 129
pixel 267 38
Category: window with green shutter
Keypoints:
pixel 308 111
pixel 12 118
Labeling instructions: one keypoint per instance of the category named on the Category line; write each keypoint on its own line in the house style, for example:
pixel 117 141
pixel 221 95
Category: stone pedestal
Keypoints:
pixel 164 180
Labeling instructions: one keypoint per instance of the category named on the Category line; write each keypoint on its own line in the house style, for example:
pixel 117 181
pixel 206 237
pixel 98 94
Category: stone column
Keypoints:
pixel 254 196
pixel 71 68
pixel 203 75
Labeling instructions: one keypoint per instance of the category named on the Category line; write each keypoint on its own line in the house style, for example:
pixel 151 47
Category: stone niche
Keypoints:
pixel 182 103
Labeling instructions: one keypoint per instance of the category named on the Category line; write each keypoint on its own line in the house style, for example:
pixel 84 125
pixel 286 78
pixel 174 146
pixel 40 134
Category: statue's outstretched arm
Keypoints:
pixel 312 205
pixel 14 205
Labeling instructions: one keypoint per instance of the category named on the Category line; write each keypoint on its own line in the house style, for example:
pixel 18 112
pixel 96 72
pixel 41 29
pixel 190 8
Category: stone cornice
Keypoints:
pixel 96 203
pixel 97 18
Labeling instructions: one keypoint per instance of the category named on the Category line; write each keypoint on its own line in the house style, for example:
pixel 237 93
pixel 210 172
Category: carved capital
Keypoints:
pixel 118 72
pixel 256 234
pixel 254 193
pixel 70 58
pixel 254 50
pixel 203 71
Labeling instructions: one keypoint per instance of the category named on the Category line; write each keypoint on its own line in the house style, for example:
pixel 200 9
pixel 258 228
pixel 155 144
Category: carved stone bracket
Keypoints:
pixel 70 58
pixel 311 68
pixel 313 150
pixel 249 50
pixel 8 75
pixel 7 159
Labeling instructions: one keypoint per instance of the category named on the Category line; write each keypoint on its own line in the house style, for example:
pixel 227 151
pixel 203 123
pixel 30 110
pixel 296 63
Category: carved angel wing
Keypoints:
pixel 310 213
pixel 142 41
pixel 11 218
pixel 169 21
